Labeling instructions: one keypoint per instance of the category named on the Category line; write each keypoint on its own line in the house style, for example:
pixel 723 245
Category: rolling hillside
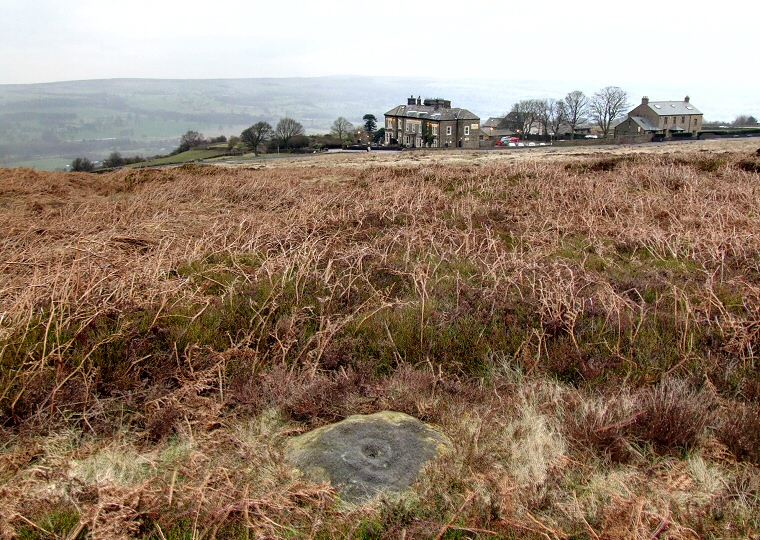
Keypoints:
pixel 46 125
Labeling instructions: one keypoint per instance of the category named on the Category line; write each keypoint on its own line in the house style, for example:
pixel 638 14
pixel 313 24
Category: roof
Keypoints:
pixel 565 128
pixel 644 123
pixel 429 112
pixel 666 108
pixel 496 133
pixel 493 122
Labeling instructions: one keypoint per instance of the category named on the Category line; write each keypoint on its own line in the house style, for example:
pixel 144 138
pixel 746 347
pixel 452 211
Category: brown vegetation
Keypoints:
pixel 584 327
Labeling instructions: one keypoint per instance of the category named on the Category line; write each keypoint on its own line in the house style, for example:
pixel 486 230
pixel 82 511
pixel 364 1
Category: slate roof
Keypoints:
pixel 666 108
pixel 429 112
pixel 496 133
pixel 493 122
pixel 644 122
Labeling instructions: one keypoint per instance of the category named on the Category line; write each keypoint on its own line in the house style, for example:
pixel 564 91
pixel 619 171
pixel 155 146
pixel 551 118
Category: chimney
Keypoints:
pixel 645 100
pixel 419 100
pixel 686 99
pixel 411 100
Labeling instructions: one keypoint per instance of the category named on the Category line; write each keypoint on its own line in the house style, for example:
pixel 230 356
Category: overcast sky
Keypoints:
pixel 647 44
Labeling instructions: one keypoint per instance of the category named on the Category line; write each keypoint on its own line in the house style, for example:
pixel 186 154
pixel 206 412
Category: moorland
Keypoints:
pixel 583 324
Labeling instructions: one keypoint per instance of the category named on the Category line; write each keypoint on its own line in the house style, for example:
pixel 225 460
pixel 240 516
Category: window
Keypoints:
pixel 666 120
pixel 448 130
pixel 683 119
pixel 466 130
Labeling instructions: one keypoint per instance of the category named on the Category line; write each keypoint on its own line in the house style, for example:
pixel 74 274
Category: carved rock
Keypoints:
pixel 365 455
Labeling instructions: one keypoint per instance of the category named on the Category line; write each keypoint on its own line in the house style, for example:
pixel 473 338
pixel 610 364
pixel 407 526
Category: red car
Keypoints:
pixel 505 140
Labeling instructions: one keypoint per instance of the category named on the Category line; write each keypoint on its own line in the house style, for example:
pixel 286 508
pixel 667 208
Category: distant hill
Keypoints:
pixel 47 125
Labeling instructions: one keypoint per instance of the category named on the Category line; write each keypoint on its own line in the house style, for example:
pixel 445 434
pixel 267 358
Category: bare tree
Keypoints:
pixel 286 129
pixel 557 116
pixel 341 128
pixel 542 111
pixel 523 116
pixel 550 114
pixel 744 120
pixel 256 135
pixel 576 109
pixel 608 104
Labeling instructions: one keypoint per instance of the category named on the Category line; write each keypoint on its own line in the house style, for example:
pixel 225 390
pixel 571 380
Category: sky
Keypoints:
pixel 679 46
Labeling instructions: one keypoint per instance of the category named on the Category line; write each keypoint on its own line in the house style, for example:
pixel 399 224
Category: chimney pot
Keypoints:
pixel 686 99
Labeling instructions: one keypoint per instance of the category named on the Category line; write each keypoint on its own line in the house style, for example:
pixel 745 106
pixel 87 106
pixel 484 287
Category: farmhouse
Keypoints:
pixel 662 118
pixel 432 123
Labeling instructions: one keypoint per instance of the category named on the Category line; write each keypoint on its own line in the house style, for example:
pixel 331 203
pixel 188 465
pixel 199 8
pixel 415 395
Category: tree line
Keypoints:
pixel 548 116
pixel 287 135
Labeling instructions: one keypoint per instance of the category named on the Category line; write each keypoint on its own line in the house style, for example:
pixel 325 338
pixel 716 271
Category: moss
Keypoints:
pixel 61 522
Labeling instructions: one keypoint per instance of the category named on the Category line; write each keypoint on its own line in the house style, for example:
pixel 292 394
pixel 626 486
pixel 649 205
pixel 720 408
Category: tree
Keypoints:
pixel 341 128
pixel 370 123
pixel 744 120
pixel 300 141
pixel 608 104
pixel 379 136
pixel 189 140
pixel 82 164
pixel 114 160
pixel 256 135
pixel 576 109
pixel 522 117
pixel 286 129
pixel 556 116
pixel 232 142
pixel 427 134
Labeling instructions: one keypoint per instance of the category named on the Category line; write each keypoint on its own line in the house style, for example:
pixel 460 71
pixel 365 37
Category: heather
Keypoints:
pixel 583 326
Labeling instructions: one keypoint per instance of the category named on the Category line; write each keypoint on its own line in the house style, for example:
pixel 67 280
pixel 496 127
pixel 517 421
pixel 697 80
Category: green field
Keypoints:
pixel 185 157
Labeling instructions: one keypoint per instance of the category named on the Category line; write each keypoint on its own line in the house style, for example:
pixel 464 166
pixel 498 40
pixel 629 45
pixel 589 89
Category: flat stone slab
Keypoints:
pixel 365 455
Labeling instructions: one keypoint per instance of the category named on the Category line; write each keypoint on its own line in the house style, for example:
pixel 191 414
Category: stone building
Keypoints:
pixel 431 124
pixel 492 129
pixel 662 118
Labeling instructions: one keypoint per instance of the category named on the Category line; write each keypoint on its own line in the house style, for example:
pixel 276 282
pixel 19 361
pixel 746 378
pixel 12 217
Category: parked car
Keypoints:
pixel 506 140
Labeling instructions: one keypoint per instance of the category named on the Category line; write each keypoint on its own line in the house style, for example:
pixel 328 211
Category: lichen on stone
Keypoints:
pixel 365 455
